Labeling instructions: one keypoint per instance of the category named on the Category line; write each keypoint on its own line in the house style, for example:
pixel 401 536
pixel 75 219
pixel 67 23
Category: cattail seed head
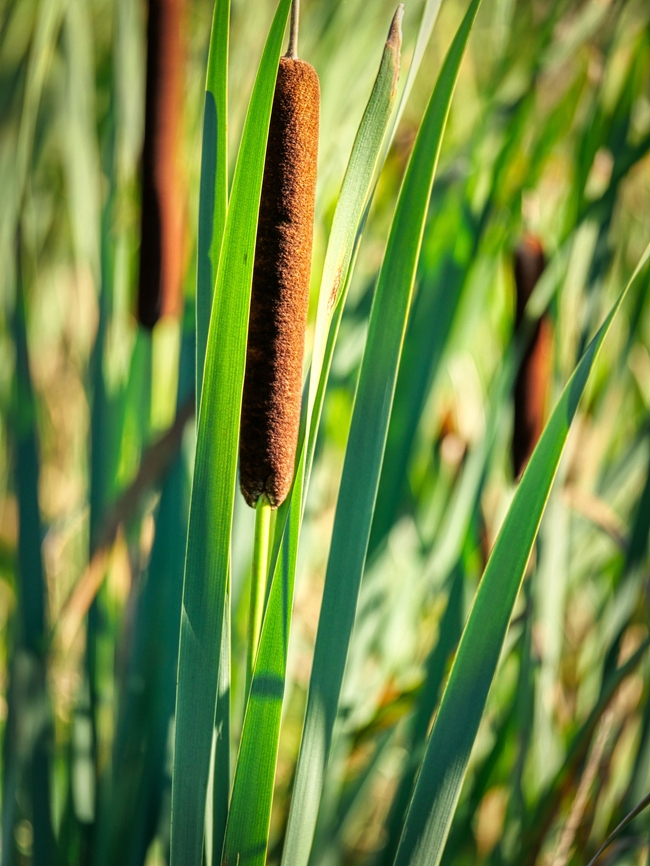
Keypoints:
pixel 531 387
pixel 280 293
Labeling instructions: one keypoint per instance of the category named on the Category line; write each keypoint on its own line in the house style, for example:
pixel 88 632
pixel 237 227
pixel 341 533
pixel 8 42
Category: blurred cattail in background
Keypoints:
pixel 531 387
pixel 280 294
pixel 161 249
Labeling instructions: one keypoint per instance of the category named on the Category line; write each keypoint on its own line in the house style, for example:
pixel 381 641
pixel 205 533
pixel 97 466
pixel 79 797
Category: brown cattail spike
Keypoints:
pixel 280 294
pixel 531 387
pixel 162 212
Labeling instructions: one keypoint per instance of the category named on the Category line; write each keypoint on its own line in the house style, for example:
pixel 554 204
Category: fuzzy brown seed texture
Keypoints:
pixel 531 387
pixel 280 293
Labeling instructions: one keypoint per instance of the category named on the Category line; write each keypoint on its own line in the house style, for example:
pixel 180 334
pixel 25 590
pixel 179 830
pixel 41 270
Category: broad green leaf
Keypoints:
pixel 364 455
pixel 445 762
pixel 213 195
pixel 248 821
pixel 373 139
pixel 207 560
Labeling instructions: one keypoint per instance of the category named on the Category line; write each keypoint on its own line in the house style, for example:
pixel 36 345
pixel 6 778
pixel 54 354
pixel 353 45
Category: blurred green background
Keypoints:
pixel 548 135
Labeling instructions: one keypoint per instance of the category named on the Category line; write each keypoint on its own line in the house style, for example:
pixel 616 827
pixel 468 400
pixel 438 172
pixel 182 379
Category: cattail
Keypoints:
pixel 280 293
pixel 531 387
pixel 162 213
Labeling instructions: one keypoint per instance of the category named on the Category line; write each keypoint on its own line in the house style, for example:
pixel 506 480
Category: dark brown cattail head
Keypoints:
pixel 162 212
pixel 531 387
pixel 280 293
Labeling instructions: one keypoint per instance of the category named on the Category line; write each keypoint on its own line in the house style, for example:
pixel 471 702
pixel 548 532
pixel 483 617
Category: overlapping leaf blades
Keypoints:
pixel 364 455
pixel 208 551
pixel 213 199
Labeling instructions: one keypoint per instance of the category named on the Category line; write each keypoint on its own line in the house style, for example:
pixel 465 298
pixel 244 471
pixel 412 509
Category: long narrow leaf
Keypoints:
pixel 364 455
pixel 354 195
pixel 208 549
pixel 213 202
pixel 443 769
pixel 213 196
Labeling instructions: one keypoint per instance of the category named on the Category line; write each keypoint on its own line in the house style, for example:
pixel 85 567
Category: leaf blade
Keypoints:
pixel 213 194
pixel 364 455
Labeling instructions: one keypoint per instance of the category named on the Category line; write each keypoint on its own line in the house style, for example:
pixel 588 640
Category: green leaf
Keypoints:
pixel 443 769
pixel 430 324
pixel 207 560
pixel 213 203
pixel 248 821
pixel 213 195
pixel 364 455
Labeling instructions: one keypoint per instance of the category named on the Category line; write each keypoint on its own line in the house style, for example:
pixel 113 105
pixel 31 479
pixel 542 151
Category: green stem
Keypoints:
pixel 258 581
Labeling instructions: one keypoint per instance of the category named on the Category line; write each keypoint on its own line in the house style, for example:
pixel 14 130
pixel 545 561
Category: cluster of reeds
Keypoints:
pixel 431 383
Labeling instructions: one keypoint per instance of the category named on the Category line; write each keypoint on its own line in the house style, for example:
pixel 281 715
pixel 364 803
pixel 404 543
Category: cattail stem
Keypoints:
pixel 292 50
pixel 258 581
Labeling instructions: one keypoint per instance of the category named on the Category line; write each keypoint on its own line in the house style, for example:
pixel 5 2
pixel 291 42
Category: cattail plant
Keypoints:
pixel 531 387
pixel 270 415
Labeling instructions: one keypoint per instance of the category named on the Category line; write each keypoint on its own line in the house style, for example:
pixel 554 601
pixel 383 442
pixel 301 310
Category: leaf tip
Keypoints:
pixel 394 42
